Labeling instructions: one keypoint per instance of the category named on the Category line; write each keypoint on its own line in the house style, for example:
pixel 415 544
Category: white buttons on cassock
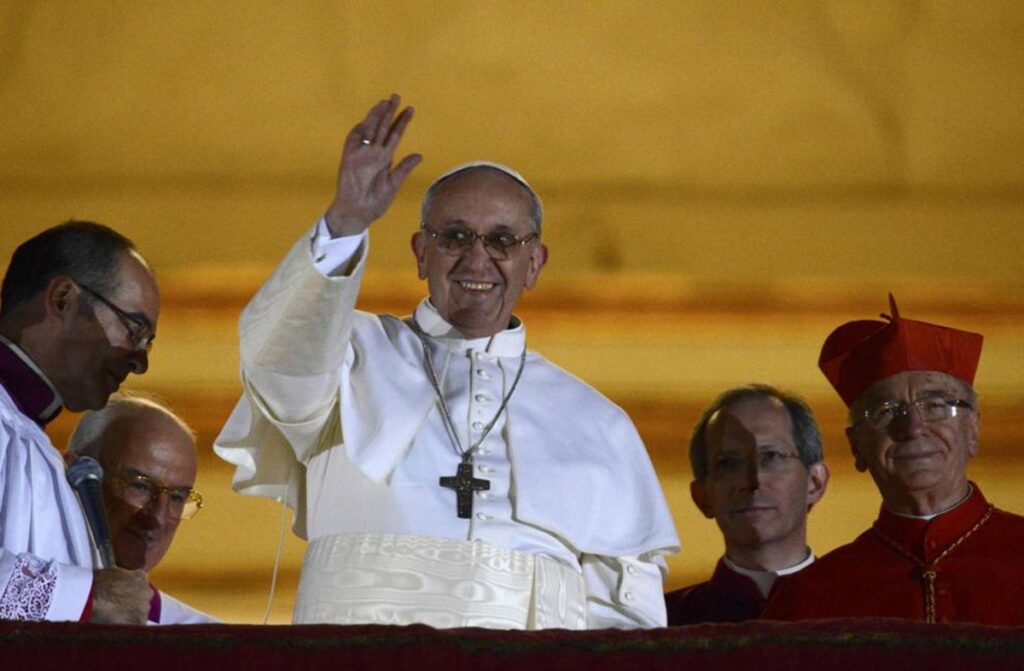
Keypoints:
pixel 630 569
pixel 628 596
pixel 478 426
pixel 485 495
pixel 483 374
pixel 482 398
pixel 484 516
pixel 484 468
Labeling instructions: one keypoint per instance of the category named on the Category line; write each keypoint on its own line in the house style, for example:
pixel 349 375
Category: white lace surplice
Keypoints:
pixel 46 557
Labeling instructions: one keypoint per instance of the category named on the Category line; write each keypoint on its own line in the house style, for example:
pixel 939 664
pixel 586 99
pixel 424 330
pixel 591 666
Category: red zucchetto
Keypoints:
pixel 860 353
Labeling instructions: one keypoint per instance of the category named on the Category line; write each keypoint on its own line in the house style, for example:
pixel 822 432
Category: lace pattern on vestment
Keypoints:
pixel 30 590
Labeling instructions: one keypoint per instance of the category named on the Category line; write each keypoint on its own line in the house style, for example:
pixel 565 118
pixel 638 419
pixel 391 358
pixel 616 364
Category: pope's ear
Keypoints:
pixel 419 250
pixel 538 258
pixel 700 499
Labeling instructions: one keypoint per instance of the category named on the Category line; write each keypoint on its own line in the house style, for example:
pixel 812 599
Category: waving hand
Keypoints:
pixel 367 182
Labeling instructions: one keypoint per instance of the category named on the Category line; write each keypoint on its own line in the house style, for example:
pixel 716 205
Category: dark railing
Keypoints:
pixel 827 645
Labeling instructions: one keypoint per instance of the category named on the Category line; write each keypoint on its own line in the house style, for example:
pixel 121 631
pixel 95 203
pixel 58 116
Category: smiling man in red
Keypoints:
pixel 757 466
pixel 938 551
pixel 443 472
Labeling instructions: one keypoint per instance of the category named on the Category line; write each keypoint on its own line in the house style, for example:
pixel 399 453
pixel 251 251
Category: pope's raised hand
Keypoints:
pixel 367 182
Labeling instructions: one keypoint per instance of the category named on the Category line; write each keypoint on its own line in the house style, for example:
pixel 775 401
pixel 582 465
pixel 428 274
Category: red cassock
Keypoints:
pixel 976 552
pixel 727 597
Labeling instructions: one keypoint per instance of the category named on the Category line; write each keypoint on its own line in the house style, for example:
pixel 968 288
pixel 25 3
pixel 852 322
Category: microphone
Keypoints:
pixel 86 477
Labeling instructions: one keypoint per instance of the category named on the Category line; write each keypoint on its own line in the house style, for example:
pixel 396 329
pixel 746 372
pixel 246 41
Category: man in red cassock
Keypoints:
pixel 939 551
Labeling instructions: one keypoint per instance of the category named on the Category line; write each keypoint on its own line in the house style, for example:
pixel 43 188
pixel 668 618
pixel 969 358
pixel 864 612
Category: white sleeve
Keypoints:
pixel 625 592
pixel 332 256
pixel 42 534
pixel 294 337
pixel 37 589
pixel 294 334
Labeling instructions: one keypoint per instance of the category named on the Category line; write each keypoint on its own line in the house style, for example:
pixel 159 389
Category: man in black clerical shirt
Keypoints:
pixel 757 468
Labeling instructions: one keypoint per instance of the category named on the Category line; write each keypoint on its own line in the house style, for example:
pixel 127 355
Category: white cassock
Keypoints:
pixel 46 560
pixel 340 421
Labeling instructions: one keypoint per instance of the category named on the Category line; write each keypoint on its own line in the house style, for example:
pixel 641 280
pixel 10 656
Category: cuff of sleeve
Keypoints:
pixel 332 256
pixel 72 596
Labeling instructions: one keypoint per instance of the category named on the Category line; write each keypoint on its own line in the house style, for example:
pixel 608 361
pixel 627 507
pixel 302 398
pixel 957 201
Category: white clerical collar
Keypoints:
pixel 970 490
pixel 765 579
pixel 509 342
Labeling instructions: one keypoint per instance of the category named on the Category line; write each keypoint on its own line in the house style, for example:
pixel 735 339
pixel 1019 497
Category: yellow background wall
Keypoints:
pixel 724 183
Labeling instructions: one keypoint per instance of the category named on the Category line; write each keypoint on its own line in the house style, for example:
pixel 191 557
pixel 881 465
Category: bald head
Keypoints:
pixel 138 440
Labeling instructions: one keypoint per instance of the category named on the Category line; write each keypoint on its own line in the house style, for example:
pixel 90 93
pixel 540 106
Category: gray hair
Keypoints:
pixel 806 436
pixel 536 209
pixel 87 439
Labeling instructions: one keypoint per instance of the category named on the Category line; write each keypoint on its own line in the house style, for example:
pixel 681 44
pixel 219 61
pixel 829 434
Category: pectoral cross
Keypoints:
pixel 464 485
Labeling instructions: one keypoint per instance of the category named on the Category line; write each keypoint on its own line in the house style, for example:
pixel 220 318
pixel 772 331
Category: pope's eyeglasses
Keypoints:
pixel 457 240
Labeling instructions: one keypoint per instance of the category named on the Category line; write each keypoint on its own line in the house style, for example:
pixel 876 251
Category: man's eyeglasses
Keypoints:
pixel 140 335
pixel 457 240
pixel 929 408
pixel 139 491
pixel 730 464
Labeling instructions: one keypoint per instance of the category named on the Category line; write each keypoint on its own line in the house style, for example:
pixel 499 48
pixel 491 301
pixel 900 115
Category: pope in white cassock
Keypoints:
pixel 443 473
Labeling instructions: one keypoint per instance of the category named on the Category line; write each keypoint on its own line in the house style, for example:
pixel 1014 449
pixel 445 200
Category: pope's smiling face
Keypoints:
pixel 472 291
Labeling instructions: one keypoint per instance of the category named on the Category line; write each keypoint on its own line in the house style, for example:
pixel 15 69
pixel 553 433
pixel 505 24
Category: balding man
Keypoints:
pixel 78 314
pixel 939 551
pixel 148 456
pixel 444 473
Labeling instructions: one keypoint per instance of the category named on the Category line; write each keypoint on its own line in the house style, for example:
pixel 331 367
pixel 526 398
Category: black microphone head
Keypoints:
pixel 83 469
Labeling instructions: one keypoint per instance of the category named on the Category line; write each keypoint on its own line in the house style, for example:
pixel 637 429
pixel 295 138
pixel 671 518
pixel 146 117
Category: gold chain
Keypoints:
pixel 928 572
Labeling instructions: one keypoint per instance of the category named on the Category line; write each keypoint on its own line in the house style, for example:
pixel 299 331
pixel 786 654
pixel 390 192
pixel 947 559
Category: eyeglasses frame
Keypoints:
pixel 902 409
pixel 784 456
pixel 482 237
pixel 140 339
pixel 124 479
